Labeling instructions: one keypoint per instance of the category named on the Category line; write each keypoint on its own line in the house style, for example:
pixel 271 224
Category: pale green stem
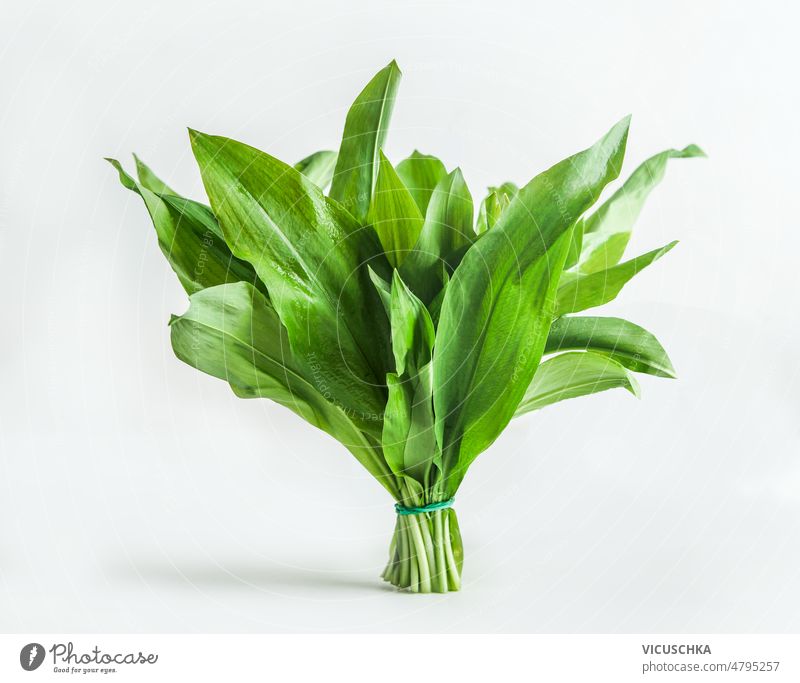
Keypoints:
pixel 414 585
pixel 422 557
pixel 424 524
pixel 441 563
pixel 406 555
pixel 454 578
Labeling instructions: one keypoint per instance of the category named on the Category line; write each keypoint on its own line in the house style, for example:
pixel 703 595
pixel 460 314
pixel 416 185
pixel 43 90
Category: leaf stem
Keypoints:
pixel 422 557
pixel 440 542
pixel 453 575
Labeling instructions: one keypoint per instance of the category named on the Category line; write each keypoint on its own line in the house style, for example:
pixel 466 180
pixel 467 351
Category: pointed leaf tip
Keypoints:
pixel 124 177
pixel 622 127
pixel 618 135
pixel 623 123
pixel 365 128
pixel 195 135
pixel 694 151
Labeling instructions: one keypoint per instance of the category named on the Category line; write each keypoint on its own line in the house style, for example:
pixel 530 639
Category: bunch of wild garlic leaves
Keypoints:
pixel 384 314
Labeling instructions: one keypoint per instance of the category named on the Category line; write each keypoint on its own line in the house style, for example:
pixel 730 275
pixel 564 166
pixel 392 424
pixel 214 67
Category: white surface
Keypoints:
pixel 139 495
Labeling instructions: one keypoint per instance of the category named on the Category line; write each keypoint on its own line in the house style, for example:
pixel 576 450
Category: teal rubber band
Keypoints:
pixel 403 510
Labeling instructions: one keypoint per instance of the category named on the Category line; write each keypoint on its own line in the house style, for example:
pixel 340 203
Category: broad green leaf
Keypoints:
pixel 409 439
pixel 421 173
pixel 435 306
pixel 150 180
pixel 579 292
pixel 394 214
pixel 575 246
pixel 364 135
pixel 318 167
pixel 626 343
pixel 608 230
pixel 384 290
pixel 190 238
pixel 499 304
pixel 446 231
pixel 412 328
pixel 233 333
pixel 312 256
pixel 574 374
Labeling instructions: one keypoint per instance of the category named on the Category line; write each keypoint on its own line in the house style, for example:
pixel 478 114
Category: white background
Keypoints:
pixel 138 495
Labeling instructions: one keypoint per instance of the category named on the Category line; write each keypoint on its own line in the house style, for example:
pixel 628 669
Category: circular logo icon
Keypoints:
pixel 31 656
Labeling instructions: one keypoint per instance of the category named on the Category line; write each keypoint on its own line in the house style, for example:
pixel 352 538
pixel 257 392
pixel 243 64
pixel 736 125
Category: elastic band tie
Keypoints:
pixel 403 510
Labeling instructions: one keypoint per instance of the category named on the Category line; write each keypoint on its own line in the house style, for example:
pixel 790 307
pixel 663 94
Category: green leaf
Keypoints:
pixel 494 204
pixel 421 173
pixel 574 374
pixel 579 292
pixel 498 306
pixel 311 254
pixel 233 333
pixel 384 290
pixel 150 180
pixel 394 214
pixel 608 230
pixel 318 167
pixel 189 237
pixel 575 246
pixel 626 343
pixel 489 211
pixel 508 190
pixel 447 230
pixel 364 135
pixel 435 306
pixel 412 328
pixel 409 439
